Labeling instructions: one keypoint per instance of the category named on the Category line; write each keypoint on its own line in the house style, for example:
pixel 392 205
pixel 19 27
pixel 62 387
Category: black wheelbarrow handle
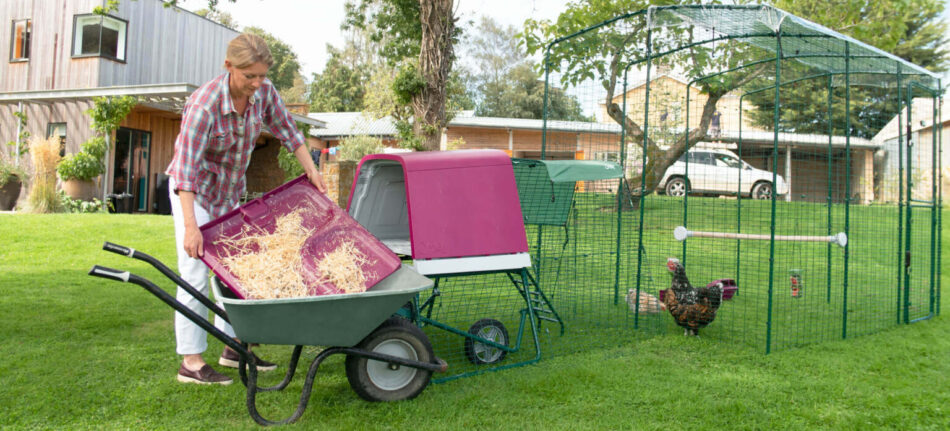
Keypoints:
pixel 125 276
pixel 135 254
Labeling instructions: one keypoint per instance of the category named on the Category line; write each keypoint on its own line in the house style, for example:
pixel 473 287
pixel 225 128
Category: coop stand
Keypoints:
pixel 247 365
pixel 537 309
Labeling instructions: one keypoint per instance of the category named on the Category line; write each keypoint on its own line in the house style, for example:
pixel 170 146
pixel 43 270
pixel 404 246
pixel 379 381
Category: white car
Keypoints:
pixel 718 172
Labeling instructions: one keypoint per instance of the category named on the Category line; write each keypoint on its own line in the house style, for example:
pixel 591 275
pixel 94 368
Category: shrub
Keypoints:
pixel 86 164
pixel 355 147
pixel 79 206
pixel 10 171
pixel 45 156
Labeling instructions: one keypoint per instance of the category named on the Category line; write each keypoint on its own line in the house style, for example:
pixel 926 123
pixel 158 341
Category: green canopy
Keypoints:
pixel 563 171
pixel 546 187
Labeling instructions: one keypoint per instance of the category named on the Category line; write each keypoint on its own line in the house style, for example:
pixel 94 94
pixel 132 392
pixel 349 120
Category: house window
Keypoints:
pixel 99 36
pixel 20 40
pixel 58 130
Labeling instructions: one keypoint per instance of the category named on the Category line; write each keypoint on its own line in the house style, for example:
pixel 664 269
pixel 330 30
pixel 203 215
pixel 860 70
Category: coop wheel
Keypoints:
pixel 762 190
pixel 481 353
pixel 379 381
pixel 676 187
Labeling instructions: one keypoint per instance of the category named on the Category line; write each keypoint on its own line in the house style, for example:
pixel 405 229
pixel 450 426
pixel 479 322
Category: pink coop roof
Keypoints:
pixel 460 203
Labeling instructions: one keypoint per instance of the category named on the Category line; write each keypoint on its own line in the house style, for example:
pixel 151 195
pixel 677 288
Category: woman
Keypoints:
pixel 220 123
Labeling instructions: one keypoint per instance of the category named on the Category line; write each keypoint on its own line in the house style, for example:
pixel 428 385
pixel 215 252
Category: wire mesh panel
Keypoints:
pixel 777 146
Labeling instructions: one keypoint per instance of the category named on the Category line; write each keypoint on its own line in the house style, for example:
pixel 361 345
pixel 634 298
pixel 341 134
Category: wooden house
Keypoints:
pixel 62 55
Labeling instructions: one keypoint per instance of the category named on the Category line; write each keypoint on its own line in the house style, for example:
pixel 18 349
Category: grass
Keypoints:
pixel 83 353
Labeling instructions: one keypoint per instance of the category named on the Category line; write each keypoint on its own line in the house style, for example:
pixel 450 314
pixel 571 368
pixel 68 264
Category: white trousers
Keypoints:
pixel 190 338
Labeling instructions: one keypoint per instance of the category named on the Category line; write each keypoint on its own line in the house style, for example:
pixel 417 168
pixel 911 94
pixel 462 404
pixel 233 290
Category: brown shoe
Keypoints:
pixel 229 358
pixel 205 376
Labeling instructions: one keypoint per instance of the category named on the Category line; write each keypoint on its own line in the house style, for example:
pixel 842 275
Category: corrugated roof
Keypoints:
pixel 342 124
pixel 527 124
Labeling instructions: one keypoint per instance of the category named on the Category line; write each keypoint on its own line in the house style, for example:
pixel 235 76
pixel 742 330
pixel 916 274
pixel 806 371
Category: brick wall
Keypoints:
pixel 339 179
pixel 264 174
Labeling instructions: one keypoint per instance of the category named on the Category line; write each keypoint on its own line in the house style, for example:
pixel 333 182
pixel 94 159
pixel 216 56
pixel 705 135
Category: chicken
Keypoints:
pixel 648 304
pixel 690 307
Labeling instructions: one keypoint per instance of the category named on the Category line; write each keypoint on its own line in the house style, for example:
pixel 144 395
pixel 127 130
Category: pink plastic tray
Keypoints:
pixel 331 225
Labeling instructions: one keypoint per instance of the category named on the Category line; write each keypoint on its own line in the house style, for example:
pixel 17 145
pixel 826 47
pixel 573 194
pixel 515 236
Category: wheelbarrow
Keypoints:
pixel 388 358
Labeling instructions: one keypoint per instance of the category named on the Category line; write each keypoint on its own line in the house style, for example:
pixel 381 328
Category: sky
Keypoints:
pixel 308 25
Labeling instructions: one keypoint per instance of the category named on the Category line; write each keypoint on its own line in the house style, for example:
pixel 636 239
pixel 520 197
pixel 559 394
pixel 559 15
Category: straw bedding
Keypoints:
pixel 269 265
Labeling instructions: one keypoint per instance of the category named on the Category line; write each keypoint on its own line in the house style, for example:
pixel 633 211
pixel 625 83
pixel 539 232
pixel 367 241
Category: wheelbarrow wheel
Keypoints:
pixel 480 353
pixel 379 381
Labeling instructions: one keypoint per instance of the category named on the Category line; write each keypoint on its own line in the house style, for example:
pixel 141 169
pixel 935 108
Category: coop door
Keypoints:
pixel 920 201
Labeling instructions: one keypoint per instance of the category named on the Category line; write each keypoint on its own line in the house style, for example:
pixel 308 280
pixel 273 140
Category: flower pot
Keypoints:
pixel 80 190
pixel 9 194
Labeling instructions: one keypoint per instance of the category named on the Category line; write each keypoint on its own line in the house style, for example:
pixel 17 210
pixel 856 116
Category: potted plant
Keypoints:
pixel 78 170
pixel 11 180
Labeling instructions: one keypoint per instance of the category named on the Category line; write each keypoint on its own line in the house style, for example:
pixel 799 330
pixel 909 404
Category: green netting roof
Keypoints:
pixel 807 42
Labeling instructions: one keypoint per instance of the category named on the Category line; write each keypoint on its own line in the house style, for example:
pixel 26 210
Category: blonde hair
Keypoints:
pixel 247 49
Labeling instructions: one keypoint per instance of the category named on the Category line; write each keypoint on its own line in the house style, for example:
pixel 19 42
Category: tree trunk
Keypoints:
pixel 435 63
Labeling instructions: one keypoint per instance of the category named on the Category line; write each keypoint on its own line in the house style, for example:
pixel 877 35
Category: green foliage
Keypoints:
pixel 85 165
pixel 341 86
pixel 521 95
pixel 408 83
pixel 71 205
pixel 110 5
pixel 9 171
pixel 219 17
pixel 289 164
pixel 108 112
pixel 914 32
pixel 24 132
pixel 392 23
pixel 286 66
pixel 355 147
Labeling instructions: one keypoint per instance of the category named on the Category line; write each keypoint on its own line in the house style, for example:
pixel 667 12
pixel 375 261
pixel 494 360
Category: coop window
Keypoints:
pixel 99 36
pixel 20 40
pixel 58 130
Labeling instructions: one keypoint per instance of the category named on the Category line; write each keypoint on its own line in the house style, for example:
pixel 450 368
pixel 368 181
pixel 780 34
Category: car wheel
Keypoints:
pixel 676 187
pixel 762 190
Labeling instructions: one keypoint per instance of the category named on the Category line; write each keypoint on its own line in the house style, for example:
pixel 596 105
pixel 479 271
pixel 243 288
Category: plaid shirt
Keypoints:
pixel 214 147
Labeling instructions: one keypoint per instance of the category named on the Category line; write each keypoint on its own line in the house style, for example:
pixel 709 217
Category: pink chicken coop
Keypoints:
pixel 453 213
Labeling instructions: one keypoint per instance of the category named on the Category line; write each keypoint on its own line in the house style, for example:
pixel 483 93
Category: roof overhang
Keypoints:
pixel 164 97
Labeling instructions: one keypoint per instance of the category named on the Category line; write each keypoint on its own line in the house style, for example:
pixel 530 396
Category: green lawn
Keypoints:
pixel 84 353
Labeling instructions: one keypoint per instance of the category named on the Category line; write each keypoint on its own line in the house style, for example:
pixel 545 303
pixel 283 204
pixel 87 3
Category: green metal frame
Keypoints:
pixel 905 77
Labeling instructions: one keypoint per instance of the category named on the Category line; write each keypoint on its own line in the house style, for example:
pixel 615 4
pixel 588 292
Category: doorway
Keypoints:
pixel 131 169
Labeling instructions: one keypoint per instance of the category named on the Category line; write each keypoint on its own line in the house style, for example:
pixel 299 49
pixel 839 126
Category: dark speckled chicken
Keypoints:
pixel 690 307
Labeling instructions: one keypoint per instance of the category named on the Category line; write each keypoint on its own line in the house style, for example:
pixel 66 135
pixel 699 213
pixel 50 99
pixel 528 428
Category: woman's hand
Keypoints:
pixel 317 180
pixel 194 242
pixel 303 156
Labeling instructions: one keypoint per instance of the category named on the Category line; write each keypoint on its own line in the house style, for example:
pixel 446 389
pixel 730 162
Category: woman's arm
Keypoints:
pixel 194 243
pixel 303 156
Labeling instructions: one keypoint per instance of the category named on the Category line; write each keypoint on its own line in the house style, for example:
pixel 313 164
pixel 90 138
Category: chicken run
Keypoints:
pixel 846 246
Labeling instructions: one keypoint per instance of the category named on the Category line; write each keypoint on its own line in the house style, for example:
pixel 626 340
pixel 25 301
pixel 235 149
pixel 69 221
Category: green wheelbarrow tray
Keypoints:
pixel 328 320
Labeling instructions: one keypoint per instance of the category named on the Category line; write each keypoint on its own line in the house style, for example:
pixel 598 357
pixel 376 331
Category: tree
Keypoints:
pixel 506 83
pixel 219 17
pixel 520 94
pixel 603 56
pixel 913 32
pixel 286 67
pixel 340 87
pixel 424 29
